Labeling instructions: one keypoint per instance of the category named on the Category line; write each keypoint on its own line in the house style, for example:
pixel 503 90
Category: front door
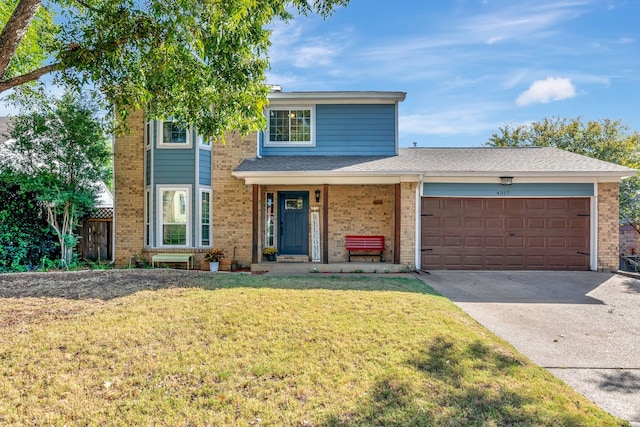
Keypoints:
pixel 293 222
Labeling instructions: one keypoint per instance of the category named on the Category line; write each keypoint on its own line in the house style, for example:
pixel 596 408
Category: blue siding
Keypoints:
pixel 347 130
pixel 174 166
pixel 205 167
pixel 514 190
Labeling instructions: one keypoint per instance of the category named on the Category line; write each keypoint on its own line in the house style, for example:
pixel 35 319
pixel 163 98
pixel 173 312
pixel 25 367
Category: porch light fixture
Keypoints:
pixel 506 180
pixel 317 196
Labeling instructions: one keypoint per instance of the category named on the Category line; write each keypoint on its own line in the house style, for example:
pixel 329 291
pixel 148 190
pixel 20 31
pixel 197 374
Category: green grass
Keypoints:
pixel 176 348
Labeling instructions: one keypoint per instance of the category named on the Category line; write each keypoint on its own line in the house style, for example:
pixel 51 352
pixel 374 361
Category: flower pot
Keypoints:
pixel 214 266
pixel 271 257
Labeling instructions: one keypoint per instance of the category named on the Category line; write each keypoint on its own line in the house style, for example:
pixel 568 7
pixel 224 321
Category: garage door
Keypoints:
pixel 505 234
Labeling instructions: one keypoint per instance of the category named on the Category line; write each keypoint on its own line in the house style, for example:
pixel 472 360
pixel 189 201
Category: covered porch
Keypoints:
pixel 337 267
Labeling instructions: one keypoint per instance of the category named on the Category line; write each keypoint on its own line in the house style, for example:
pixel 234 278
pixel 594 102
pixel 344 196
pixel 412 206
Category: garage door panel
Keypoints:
pixel 473 223
pixel 536 262
pixel 515 242
pixel 474 241
pixel 536 242
pixel 557 223
pixel 494 222
pixel 494 242
pixel 532 204
pixel 535 223
pixel 560 204
pixel 452 222
pixel 505 233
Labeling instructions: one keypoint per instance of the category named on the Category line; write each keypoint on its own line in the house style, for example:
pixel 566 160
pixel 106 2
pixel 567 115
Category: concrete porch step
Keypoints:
pixel 292 258
pixel 314 267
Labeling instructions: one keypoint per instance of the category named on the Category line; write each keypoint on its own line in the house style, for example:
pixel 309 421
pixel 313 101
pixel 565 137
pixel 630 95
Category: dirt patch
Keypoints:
pixel 26 298
pixel 101 285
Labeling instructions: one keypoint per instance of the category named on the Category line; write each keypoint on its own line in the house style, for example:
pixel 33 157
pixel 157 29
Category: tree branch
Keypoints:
pixel 29 77
pixel 15 30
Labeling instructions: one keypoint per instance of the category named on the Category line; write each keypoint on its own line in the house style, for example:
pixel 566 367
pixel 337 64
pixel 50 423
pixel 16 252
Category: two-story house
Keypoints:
pixel 329 165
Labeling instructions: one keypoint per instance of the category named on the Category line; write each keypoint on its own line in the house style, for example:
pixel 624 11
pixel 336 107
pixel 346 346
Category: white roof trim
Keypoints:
pixel 346 97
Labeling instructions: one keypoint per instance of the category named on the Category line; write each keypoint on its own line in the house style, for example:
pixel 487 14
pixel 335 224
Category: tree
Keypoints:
pixel 200 62
pixel 608 140
pixel 59 151
pixel 24 233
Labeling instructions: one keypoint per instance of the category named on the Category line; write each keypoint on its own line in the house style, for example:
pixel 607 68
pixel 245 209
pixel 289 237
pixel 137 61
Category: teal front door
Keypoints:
pixel 293 222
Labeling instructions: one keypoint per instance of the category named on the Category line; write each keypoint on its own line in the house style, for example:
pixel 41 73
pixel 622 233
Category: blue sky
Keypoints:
pixel 471 66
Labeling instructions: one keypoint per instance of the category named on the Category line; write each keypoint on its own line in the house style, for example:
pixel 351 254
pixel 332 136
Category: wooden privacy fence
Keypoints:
pixel 95 236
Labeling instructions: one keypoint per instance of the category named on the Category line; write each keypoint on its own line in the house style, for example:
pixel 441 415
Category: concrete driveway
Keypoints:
pixel 584 327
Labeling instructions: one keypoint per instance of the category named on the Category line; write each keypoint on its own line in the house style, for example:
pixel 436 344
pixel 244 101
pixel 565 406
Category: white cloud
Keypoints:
pixel 544 91
pixel 313 56
pixel 495 39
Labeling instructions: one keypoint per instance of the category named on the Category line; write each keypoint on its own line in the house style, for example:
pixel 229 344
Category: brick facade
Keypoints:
pixel 408 223
pixel 128 155
pixel 608 226
pixel 360 210
pixel 232 199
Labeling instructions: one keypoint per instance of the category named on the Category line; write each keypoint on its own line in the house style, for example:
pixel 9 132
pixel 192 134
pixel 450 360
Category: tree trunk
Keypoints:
pixel 15 30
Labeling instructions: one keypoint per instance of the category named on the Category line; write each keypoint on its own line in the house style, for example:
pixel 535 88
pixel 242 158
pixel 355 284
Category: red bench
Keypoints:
pixel 365 243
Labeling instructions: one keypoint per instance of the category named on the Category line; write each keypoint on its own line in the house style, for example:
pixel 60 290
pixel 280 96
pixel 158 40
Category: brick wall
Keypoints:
pixel 608 226
pixel 128 165
pixel 232 199
pixel 408 223
pixel 360 209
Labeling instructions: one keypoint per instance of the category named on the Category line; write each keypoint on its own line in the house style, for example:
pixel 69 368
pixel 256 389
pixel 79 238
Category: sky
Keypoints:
pixel 470 67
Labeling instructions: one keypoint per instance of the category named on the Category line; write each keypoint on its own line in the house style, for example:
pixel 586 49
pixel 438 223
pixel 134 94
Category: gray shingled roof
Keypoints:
pixel 440 161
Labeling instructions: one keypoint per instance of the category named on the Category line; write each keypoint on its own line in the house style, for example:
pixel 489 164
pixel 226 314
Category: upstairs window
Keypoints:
pixel 290 127
pixel 173 135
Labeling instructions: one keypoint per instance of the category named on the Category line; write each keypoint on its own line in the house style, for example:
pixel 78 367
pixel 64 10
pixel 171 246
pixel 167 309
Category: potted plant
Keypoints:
pixel 270 253
pixel 214 256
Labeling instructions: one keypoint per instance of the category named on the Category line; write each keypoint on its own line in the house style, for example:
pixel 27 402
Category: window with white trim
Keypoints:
pixel 290 126
pixel 174 223
pixel 205 218
pixel 147 218
pixel 172 134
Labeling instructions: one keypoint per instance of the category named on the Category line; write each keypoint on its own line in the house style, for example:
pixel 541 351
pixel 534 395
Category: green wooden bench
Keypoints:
pixel 186 258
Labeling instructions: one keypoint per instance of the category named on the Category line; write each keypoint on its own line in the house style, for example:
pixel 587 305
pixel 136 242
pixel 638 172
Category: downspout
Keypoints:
pixel 113 180
pixel 418 224
pixel 258 154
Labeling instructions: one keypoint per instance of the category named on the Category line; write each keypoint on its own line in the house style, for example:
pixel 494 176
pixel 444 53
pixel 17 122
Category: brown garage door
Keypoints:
pixel 505 234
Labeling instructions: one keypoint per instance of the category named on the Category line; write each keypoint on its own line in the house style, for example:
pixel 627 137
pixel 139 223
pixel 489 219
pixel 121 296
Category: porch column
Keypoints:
pixel 325 224
pixel 397 219
pixel 255 226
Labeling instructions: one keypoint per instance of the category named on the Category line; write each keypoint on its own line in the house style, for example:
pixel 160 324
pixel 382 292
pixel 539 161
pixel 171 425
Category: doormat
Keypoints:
pixel 292 258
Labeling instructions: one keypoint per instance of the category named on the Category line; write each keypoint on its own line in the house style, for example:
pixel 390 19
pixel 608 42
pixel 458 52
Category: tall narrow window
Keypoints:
pixel 175 217
pixel 148 133
pixel 147 218
pixel 205 218
pixel 269 221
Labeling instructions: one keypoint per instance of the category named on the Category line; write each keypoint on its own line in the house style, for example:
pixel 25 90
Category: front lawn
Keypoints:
pixel 191 348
